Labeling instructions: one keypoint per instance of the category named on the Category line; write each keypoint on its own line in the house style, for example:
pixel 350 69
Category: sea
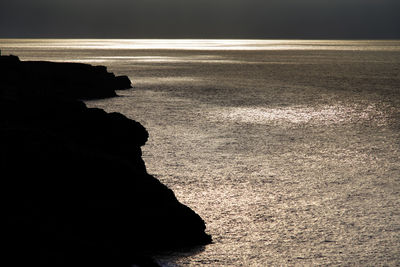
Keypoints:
pixel 288 149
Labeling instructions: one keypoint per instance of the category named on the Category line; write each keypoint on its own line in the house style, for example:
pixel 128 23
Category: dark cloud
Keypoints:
pixel 200 18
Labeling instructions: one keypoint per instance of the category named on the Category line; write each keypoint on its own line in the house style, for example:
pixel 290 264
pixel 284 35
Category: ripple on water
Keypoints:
pixel 330 114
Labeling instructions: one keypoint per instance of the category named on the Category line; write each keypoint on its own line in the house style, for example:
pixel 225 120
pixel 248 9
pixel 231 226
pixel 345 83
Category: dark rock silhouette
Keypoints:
pixel 76 190
pixel 67 80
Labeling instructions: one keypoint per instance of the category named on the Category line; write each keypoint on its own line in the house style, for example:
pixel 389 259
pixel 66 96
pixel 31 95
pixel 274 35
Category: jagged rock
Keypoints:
pixel 76 190
pixel 123 82
pixel 73 80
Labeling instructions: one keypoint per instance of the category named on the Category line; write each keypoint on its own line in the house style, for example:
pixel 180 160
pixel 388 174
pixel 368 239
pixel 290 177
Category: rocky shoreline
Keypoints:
pixel 76 190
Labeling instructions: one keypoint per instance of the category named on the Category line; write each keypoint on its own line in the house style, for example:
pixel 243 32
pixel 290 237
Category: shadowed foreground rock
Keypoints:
pixel 75 188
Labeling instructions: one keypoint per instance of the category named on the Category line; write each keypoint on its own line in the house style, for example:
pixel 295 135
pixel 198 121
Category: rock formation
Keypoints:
pixel 75 188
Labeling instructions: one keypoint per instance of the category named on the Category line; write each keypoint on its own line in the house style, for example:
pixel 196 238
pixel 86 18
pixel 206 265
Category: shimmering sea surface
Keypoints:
pixel 288 149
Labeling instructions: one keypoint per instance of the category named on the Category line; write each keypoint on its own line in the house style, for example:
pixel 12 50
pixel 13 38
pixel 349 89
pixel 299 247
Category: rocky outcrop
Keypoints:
pixel 67 80
pixel 76 190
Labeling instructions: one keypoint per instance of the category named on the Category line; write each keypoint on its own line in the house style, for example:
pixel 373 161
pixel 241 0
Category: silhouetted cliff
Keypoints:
pixel 67 80
pixel 76 190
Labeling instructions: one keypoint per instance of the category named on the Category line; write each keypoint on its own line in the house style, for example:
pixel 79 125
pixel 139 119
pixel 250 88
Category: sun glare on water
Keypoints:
pixel 323 115
pixel 204 44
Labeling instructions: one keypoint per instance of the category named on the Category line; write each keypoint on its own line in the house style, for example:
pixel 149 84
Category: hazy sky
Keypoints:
pixel 200 18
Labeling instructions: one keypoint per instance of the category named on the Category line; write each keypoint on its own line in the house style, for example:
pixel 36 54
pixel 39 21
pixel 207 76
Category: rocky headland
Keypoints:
pixel 75 188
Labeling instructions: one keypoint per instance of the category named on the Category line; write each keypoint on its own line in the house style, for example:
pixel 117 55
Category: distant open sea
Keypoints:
pixel 288 149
